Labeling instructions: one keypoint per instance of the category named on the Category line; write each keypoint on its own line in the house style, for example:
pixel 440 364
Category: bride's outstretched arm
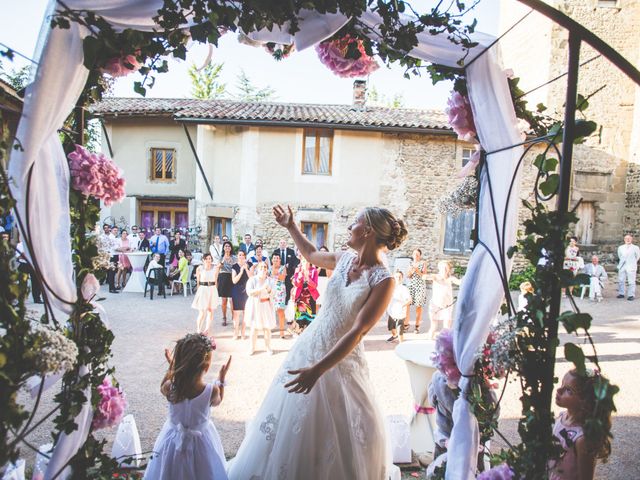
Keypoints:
pixel 308 250
pixel 368 316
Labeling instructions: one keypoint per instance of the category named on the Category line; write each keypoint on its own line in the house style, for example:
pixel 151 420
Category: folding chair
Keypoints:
pixel 156 277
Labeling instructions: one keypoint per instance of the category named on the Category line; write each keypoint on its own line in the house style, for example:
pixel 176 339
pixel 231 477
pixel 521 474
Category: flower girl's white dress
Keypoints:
pixel 336 431
pixel 188 446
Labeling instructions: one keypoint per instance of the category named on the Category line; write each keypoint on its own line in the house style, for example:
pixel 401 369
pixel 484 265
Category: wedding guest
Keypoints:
pixel 153 264
pixel 143 244
pixel 112 240
pixel 134 238
pixel 247 247
pixel 178 243
pixel 290 261
pixel 441 305
pixel 240 275
pixel 628 256
pixel 25 267
pixel 259 309
pixel 305 282
pixel 417 286
pixel 397 309
pixel 181 271
pixel 323 280
pixel 278 275
pixel 258 257
pixel 124 265
pixel 215 249
pixel 597 277
pixel 265 252
pixel 572 260
pixel 225 281
pixel 206 299
pixel 525 288
pixel 159 244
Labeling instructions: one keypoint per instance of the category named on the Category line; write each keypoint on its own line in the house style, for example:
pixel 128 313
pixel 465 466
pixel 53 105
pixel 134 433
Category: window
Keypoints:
pixel 466 155
pixel 315 232
pixel 608 3
pixel 219 226
pixel 163 214
pixel 317 150
pixel 163 164
pixel 457 233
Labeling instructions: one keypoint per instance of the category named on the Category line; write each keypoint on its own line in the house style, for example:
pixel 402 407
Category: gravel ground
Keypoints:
pixel 143 328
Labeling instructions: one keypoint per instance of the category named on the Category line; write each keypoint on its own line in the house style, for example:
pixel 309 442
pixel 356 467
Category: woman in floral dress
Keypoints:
pixel 278 275
pixel 417 286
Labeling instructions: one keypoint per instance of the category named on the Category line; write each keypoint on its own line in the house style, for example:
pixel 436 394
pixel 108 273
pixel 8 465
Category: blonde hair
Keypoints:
pixel 526 287
pixel 191 356
pixel 446 265
pixel 389 230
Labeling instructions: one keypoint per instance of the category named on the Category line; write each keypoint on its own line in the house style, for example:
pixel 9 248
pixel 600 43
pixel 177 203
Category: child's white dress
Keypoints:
pixel 441 306
pixel 188 446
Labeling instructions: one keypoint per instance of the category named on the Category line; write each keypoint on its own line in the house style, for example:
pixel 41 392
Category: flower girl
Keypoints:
pixel 441 305
pixel 189 445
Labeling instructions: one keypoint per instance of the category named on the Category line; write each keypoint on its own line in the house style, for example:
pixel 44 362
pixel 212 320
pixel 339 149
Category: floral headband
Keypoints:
pixel 207 342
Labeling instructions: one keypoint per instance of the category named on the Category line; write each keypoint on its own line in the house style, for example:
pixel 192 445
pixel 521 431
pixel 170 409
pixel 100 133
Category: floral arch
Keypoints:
pixel 86 35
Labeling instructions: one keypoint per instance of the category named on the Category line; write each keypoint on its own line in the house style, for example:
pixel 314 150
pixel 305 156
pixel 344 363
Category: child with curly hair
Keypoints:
pixel 581 449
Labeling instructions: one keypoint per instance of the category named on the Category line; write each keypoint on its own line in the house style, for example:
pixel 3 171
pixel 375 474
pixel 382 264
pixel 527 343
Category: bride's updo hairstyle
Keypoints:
pixel 390 231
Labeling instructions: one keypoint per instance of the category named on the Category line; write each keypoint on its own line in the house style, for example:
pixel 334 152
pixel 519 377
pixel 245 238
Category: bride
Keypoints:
pixel 334 430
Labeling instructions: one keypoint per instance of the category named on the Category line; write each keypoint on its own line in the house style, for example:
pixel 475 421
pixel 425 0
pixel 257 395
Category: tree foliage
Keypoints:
pixel 206 83
pixel 247 91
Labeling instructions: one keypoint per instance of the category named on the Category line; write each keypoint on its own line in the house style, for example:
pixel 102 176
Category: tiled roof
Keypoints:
pixel 229 111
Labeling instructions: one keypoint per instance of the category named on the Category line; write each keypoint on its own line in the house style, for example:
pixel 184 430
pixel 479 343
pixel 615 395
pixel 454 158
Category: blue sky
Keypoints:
pixel 299 78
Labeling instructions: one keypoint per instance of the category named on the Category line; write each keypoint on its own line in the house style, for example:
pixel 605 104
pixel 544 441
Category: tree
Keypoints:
pixel 205 83
pixel 381 100
pixel 17 78
pixel 246 91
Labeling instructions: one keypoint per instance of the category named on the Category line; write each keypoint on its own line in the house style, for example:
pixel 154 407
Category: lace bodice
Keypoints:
pixel 343 301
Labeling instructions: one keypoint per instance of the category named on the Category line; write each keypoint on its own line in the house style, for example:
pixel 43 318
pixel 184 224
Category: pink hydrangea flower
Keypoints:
pixel 121 66
pixel 461 117
pixel 499 472
pixel 444 359
pixel 111 407
pixel 332 54
pixel 96 175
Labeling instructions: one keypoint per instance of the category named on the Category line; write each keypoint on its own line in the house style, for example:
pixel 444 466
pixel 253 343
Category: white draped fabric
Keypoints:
pixel 59 81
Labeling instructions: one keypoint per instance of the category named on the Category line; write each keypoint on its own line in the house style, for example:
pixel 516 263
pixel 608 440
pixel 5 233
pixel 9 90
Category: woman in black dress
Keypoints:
pixel 225 284
pixel 239 276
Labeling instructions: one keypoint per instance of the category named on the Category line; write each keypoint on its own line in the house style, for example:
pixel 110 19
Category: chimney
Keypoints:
pixel 359 94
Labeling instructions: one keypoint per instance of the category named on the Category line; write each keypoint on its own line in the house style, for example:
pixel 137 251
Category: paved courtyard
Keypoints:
pixel 143 328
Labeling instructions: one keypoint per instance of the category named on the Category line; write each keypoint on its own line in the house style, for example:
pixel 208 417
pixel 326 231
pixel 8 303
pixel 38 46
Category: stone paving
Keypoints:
pixel 143 328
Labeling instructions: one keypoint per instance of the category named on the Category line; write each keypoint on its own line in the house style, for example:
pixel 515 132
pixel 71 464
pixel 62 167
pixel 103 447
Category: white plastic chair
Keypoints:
pixel 185 285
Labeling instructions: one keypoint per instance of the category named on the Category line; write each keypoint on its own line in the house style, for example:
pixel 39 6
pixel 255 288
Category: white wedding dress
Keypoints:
pixel 336 431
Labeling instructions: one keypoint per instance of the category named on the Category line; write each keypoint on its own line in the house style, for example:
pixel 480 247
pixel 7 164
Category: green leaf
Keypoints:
pixel 582 103
pixel 550 164
pixel 575 355
pixel 138 88
pixel 550 185
pixel 91 48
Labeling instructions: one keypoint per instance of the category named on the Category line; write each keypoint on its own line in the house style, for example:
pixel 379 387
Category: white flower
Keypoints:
pixel 461 198
pixel 53 351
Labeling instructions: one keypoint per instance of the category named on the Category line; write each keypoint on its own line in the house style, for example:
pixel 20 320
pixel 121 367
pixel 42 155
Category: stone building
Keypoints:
pixel 606 174
pixel 222 165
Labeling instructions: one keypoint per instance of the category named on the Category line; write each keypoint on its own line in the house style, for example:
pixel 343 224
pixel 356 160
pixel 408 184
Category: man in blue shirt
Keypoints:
pixel 160 245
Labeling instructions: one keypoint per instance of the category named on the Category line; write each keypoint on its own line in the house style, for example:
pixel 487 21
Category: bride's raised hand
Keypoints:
pixel 284 218
pixel 304 382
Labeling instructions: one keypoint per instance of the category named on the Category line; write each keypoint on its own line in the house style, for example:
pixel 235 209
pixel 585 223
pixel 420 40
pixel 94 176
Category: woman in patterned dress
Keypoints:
pixel 417 286
pixel 278 274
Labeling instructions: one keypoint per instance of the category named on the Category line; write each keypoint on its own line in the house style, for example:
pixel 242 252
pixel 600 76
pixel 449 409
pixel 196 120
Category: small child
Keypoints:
pixel 259 308
pixel 189 445
pixel 397 309
pixel 525 288
pixel 578 462
pixel 441 305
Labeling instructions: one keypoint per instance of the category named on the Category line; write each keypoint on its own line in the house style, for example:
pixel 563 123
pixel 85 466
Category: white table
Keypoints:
pixel 138 279
pixel 417 356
